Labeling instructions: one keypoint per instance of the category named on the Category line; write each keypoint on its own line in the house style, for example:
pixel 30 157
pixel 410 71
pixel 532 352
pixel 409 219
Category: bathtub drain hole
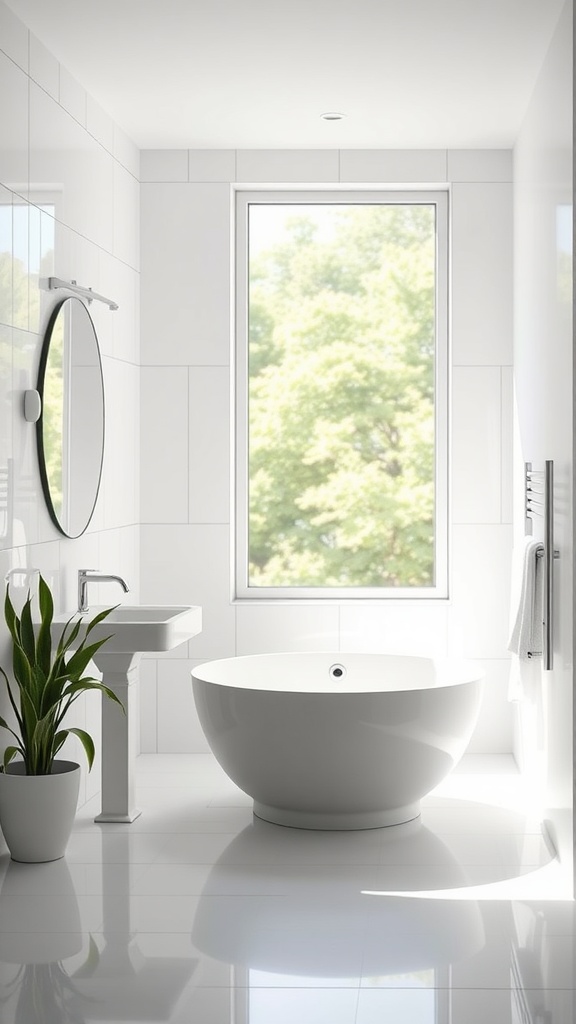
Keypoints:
pixel 337 671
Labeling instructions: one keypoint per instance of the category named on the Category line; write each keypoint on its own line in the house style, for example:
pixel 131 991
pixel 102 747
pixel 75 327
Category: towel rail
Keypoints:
pixel 539 501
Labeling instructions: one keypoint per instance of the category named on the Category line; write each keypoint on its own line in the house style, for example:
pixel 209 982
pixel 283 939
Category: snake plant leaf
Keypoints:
pixel 27 636
pixel 11 618
pixel 58 667
pixel 4 725
pixel 81 658
pixel 9 755
pixel 66 642
pixel 22 670
pixel 59 740
pixel 92 684
pixel 86 741
pixel 52 694
pixel 99 618
pixel 29 713
pixel 44 642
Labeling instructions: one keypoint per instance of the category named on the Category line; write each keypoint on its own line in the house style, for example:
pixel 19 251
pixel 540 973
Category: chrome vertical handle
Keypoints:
pixel 549 555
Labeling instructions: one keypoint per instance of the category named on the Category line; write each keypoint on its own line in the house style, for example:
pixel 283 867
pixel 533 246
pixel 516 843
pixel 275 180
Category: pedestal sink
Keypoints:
pixel 132 629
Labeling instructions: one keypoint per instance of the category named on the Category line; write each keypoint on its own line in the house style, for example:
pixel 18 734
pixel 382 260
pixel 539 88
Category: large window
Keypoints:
pixel 341 395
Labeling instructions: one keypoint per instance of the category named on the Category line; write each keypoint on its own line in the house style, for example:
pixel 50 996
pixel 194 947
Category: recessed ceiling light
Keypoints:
pixel 332 115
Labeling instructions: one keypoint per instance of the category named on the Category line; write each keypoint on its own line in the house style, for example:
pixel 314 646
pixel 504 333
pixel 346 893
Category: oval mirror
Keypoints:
pixel 70 431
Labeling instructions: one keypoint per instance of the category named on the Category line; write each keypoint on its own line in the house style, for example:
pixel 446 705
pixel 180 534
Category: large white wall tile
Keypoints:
pixel 507 444
pixel 121 454
pixel 13 37
pixel 164 444
pixel 482 274
pixel 414 628
pixel 212 165
pixel 476 444
pixel 286 165
pixel 179 729
pixel 186 305
pixel 393 166
pixel 14 124
pixel 73 96
pixel 82 172
pixel 191 565
pixel 122 284
pixel 164 165
pixel 479 613
pixel 126 233
pixel 275 627
pixel 494 730
pixel 118 554
pixel 209 396
pixel 126 152
pixel 99 124
pixel 44 67
pixel 480 165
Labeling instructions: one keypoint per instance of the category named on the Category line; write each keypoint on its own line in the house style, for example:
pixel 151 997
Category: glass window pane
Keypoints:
pixel 341 394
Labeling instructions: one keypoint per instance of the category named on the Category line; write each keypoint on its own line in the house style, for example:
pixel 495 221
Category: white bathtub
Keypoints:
pixel 337 741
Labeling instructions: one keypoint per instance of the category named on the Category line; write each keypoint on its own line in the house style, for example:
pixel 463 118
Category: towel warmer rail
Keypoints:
pixel 539 502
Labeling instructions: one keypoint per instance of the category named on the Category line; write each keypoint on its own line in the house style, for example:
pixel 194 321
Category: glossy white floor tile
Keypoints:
pixel 199 912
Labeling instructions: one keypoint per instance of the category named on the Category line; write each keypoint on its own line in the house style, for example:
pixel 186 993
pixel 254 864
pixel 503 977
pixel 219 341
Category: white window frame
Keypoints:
pixel 240 490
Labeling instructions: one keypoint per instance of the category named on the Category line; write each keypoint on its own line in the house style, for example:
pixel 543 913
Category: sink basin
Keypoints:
pixel 137 628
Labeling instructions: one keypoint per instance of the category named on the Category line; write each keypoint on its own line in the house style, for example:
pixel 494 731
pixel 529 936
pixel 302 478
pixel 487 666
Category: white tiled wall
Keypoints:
pixel 58 145
pixel 186 280
pixel 53 136
pixel 544 391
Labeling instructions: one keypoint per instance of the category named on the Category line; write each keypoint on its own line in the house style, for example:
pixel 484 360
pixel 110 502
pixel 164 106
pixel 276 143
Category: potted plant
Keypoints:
pixel 38 792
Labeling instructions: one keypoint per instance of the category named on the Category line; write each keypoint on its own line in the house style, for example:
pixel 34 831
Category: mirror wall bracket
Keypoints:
pixel 32 405
pixel 86 293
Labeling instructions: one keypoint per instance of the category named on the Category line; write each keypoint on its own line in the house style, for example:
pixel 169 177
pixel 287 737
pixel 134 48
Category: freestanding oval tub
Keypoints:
pixel 337 741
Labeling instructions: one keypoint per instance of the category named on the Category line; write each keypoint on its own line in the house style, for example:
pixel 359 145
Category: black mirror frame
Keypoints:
pixel 44 353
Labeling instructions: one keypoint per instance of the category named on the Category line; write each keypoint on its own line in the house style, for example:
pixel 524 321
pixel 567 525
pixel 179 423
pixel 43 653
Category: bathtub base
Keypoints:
pixel 337 822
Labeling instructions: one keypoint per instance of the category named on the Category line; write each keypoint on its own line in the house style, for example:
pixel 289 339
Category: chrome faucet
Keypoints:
pixel 86 576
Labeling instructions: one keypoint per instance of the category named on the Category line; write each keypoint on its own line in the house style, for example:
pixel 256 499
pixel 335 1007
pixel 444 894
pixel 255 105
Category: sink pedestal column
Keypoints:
pixel 119 736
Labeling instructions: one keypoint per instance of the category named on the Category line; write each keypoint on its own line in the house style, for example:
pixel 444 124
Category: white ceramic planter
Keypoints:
pixel 37 811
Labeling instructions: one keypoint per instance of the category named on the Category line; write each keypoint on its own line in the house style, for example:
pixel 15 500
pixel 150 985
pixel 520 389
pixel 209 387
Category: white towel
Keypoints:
pixel 526 636
pixel 526 624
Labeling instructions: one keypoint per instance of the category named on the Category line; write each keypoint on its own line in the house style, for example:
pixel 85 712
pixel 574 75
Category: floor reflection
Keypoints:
pixel 63 975
pixel 330 928
pixel 204 923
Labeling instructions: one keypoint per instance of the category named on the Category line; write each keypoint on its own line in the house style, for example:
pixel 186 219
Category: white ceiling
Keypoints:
pixel 258 73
